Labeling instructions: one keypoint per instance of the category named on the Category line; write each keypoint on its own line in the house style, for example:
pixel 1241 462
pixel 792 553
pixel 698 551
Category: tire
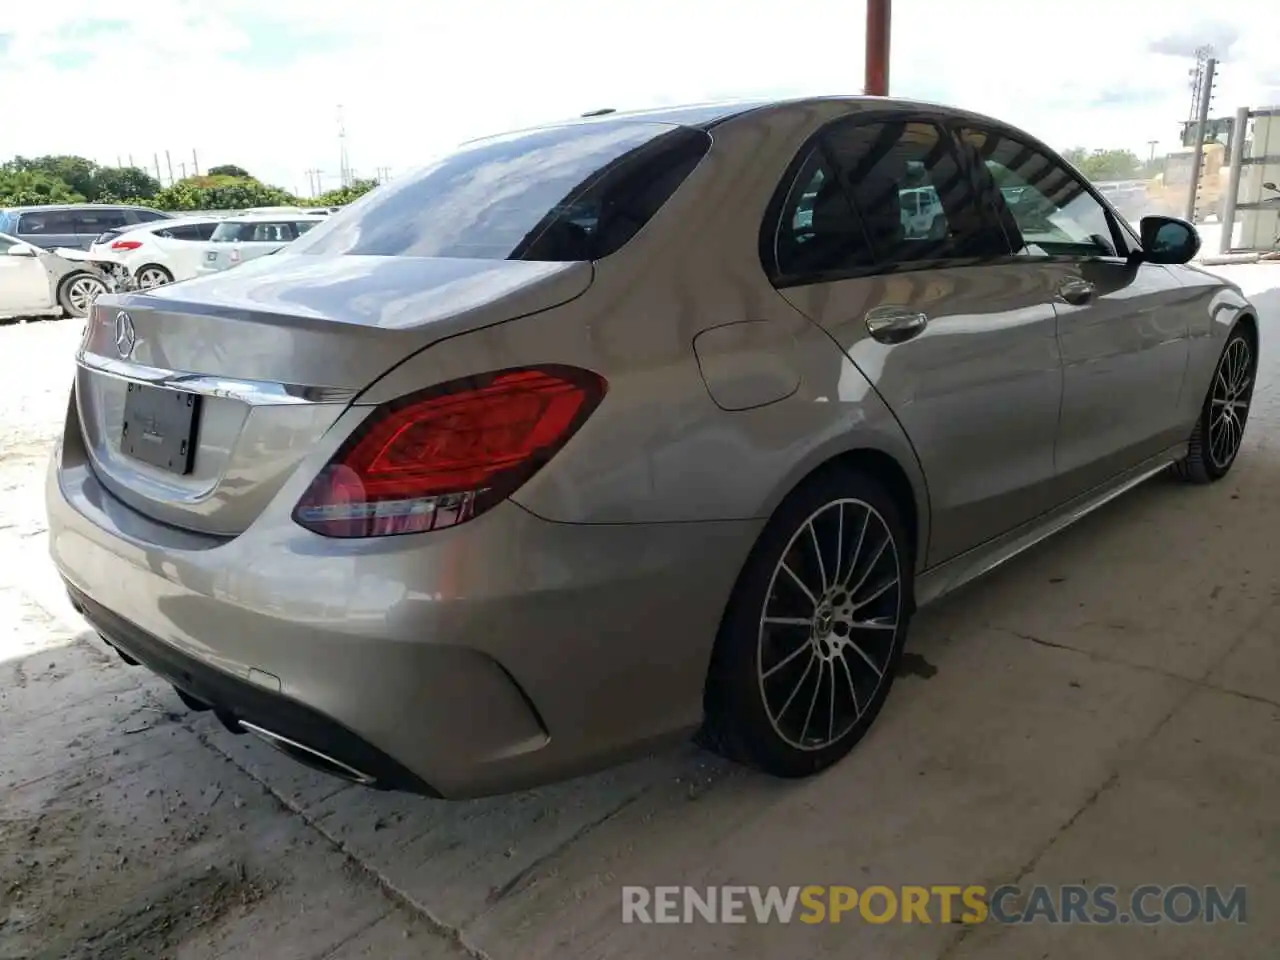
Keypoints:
pixel 1216 438
pixel 814 662
pixel 75 296
pixel 157 275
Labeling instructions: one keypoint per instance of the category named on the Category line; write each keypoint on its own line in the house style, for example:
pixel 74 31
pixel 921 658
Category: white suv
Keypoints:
pixel 247 237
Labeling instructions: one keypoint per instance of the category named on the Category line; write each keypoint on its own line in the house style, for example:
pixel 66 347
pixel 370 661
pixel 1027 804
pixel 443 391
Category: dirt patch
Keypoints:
pixel 166 917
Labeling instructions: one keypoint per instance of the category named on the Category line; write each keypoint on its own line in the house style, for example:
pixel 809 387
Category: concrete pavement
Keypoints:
pixel 1104 709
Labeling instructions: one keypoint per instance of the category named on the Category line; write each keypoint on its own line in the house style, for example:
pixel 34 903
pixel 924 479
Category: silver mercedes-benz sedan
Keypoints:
pixel 593 436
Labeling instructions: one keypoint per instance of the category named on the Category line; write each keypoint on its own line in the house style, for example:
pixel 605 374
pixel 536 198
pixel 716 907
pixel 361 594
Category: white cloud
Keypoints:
pixel 258 84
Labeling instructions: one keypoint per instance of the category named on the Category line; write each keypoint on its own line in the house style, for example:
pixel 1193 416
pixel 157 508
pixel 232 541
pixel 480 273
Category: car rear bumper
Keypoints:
pixel 505 653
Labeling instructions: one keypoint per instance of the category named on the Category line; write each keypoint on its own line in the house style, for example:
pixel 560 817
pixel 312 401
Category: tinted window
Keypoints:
pixel 302 226
pixel 817 230
pixel 50 222
pixel 1053 210
pixel 908 188
pixel 96 221
pixel 188 231
pixel 233 231
pixel 147 216
pixel 571 193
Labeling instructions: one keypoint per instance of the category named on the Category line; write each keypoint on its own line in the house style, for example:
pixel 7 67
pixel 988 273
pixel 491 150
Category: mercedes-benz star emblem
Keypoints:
pixel 125 336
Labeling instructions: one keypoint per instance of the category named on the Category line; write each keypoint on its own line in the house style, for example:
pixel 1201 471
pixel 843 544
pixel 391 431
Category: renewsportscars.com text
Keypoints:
pixel 1068 904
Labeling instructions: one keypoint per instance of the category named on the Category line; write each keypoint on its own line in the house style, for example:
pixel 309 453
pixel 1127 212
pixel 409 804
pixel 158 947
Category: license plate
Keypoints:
pixel 160 427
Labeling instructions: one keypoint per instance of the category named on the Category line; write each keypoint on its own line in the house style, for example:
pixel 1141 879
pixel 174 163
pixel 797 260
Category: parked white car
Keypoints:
pixel 40 283
pixel 249 236
pixel 161 252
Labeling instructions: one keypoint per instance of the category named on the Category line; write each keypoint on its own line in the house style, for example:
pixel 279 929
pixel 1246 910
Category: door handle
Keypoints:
pixel 895 324
pixel 1076 292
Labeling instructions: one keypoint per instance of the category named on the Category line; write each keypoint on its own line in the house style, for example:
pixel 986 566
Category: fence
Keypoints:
pixel 1251 214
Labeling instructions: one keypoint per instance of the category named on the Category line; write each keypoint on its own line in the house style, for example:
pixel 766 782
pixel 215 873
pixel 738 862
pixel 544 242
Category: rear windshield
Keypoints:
pixel 570 193
pixel 232 231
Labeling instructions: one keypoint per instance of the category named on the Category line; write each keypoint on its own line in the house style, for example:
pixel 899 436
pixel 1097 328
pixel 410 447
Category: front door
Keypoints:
pixel 24 282
pixel 958 337
pixel 1124 341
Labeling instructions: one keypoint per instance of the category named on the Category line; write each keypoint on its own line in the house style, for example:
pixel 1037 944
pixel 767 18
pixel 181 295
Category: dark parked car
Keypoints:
pixel 71 225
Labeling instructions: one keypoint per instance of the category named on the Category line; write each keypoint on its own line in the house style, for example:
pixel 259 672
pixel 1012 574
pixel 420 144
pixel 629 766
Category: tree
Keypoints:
pixel 230 170
pixel 124 184
pixel 221 193
pixel 76 172
pixel 1100 165
pixel 24 187
pixel 341 196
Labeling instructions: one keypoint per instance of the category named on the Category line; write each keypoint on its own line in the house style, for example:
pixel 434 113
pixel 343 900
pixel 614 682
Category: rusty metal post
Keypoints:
pixel 877 84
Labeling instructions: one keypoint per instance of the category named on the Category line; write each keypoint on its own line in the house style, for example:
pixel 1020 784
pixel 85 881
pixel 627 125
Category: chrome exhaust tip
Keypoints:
pixel 309 756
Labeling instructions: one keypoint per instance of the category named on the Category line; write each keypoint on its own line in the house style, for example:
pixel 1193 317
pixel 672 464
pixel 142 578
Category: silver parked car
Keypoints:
pixel 592 436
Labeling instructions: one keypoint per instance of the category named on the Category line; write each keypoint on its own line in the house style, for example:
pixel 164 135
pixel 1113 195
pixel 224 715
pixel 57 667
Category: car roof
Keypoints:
pixel 271 217
pixel 709 114
pixel 56 207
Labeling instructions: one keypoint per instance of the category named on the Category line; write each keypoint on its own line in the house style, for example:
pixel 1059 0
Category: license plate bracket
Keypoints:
pixel 160 427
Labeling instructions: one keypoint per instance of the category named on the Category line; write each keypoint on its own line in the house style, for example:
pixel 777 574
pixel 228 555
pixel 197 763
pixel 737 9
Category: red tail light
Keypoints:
pixel 438 458
pixel 126 245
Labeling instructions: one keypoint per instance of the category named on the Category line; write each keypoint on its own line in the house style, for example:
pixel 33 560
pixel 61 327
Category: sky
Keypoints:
pixel 259 83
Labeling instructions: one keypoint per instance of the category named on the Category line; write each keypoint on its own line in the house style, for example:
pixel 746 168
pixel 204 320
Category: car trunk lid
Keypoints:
pixel 198 400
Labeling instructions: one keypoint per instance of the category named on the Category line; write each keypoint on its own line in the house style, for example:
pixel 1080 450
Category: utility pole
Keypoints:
pixel 131 163
pixel 1202 122
pixel 877 66
pixel 344 169
pixel 156 158
pixel 169 163
pixel 313 181
pixel 1152 155
pixel 195 163
pixel 182 168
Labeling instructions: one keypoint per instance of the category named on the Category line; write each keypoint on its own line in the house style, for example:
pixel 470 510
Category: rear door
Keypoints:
pixel 1123 336
pixel 182 249
pixel 92 222
pixel 956 334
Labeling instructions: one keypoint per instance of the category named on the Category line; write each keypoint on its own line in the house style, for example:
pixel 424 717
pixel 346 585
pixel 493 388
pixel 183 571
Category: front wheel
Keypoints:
pixel 814 629
pixel 77 293
pixel 1219 430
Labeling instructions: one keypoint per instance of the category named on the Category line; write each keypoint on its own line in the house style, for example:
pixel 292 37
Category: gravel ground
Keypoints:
pixel 1105 709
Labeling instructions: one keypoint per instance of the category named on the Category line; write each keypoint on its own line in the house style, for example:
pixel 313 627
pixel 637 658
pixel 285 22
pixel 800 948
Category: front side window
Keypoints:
pixel 1054 211
pixel 908 187
pixel 578 192
pixel 53 223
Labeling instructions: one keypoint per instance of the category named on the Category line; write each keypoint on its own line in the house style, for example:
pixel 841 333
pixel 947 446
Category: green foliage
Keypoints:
pixel 343 195
pixel 216 192
pixel 230 170
pixel 64 179
pixel 1103 165
pixel 24 187
pixel 124 185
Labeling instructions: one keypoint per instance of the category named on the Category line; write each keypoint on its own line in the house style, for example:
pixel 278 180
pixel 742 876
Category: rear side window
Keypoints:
pixel 146 216
pixel 96 221
pixel 48 223
pixel 302 226
pixel 188 231
pixel 572 193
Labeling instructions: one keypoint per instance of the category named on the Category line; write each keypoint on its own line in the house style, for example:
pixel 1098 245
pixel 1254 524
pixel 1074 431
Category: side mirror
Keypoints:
pixel 22 250
pixel 1271 186
pixel 1168 240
